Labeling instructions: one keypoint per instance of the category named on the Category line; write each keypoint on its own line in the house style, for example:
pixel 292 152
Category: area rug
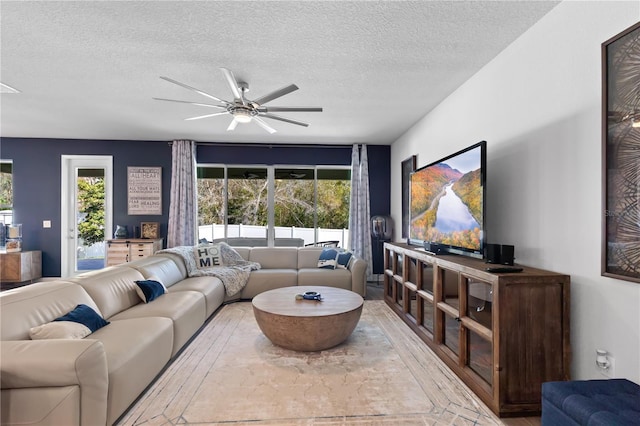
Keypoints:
pixel 383 374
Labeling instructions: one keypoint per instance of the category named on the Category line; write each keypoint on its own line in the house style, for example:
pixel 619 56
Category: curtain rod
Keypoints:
pixel 268 145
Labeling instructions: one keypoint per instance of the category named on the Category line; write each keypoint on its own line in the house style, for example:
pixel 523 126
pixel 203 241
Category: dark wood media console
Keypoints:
pixel 503 334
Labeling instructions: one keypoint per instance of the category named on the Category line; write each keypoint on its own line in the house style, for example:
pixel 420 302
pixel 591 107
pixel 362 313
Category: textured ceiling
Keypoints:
pixel 89 70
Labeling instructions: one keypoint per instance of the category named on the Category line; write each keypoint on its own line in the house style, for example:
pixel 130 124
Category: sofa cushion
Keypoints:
pixel 275 257
pixel 30 306
pixel 175 258
pixel 164 268
pixel 268 279
pixel 59 405
pixel 185 308
pixel 137 349
pixel 113 288
pixel 308 257
pixel 149 290
pixel 211 288
pixel 340 278
pixel 244 252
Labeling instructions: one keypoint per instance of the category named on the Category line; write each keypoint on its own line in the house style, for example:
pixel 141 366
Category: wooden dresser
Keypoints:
pixel 503 334
pixel 17 267
pixel 129 249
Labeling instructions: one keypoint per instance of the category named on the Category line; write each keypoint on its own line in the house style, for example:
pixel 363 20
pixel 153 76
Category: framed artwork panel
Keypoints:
pixel 144 190
pixel 408 166
pixel 621 155
pixel 150 230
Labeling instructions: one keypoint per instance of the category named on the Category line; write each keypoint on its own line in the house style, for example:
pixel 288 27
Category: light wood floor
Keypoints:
pixel 375 291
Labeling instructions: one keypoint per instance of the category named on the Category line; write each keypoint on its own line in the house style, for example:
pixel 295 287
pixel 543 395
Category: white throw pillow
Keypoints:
pixel 59 330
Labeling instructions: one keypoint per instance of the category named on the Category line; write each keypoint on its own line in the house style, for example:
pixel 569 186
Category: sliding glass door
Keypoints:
pixel 273 202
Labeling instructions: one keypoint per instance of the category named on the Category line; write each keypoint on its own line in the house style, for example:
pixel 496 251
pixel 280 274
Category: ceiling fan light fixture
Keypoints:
pixel 242 115
pixel 244 110
pixel 635 122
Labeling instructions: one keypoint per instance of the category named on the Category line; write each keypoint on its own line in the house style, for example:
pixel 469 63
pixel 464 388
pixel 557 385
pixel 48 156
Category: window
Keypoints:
pixel 6 192
pixel 307 202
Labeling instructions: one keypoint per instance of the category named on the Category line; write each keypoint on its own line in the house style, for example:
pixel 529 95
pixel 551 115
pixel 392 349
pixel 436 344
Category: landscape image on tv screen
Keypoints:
pixel 447 201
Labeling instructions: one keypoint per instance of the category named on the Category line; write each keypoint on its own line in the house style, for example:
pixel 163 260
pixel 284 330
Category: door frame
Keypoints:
pixel 69 163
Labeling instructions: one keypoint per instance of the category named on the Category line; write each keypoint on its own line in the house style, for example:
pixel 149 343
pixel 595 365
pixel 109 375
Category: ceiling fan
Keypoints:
pixel 242 109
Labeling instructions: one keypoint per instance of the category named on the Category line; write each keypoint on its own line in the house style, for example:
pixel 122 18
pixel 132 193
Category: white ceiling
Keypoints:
pixel 89 70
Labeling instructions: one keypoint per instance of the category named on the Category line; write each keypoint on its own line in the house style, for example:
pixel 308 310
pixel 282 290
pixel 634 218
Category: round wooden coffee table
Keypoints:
pixel 307 325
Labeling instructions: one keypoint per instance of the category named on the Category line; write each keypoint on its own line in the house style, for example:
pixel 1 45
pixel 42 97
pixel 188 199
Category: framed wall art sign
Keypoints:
pixel 408 166
pixel 144 189
pixel 621 155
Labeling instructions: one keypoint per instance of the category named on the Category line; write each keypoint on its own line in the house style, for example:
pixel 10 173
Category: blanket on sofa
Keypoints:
pixel 234 274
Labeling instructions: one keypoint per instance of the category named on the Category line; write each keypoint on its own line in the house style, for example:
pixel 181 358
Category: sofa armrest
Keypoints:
pixel 59 362
pixel 358 276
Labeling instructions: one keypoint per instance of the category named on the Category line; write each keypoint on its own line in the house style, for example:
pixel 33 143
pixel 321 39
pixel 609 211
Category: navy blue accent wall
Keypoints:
pixel 37 172
pixel 37 184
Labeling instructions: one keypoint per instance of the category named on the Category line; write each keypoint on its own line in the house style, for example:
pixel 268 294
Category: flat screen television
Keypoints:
pixel 447 200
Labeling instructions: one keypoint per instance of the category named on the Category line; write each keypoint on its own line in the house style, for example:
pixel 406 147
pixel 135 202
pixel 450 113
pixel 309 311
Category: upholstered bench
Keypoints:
pixel 614 402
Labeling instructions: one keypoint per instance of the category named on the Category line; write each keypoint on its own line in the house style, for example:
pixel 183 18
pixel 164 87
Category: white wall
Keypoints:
pixel 537 105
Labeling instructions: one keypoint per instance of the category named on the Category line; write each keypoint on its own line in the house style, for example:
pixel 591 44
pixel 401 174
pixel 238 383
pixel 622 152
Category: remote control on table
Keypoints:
pixel 500 269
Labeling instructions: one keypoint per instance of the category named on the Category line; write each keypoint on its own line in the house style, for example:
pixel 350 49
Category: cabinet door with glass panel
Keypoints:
pixel 418 297
pixel 464 324
pixel 409 287
pixel 477 318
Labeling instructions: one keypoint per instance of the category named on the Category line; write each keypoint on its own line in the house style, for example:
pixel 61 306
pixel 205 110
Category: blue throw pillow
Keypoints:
pixel 328 258
pixel 86 316
pixel 149 290
pixel 344 259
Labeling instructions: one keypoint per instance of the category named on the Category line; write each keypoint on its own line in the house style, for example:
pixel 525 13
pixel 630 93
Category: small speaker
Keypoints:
pixel 492 253
pixel 506 254
pixel 434 248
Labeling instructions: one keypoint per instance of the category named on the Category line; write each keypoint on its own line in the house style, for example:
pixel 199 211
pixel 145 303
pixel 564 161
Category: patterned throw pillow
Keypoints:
pixel 328 258
pixel 345 257
pixel 208 256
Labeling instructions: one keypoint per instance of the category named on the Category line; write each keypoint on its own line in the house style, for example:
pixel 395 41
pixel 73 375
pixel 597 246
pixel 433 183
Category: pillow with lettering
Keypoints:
pixel 208 256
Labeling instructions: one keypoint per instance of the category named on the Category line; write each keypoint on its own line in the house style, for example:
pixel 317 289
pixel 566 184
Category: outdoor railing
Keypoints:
pixel 215 231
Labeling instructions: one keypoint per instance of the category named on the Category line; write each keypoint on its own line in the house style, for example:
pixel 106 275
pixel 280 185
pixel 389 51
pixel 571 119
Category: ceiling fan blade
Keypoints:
pixel 191 103
pixel 232 125
pixel 274 95
pixel 206 116
pixel 286 120
pixel 186 86
pixel 289 109
pixel 233 84
pixel 264 125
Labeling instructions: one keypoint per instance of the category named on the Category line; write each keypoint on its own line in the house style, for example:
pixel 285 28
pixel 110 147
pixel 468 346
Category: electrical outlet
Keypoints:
pixel 46 224
pixel 609 372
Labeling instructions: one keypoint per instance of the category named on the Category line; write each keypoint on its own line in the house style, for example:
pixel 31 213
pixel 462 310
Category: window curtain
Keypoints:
pixel 359 210
pixel 183 198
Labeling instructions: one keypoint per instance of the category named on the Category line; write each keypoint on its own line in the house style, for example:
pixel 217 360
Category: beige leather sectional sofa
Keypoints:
pixel 92 381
